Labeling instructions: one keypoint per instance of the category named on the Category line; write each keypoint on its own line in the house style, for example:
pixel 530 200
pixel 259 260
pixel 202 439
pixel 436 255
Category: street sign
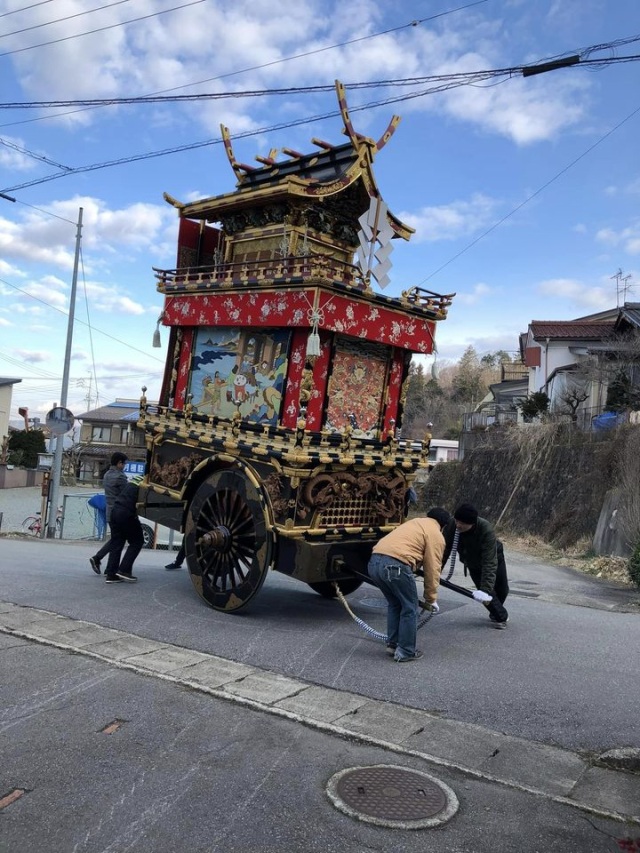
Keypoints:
pixel 59 420
pixel 133 469
pixel 45 461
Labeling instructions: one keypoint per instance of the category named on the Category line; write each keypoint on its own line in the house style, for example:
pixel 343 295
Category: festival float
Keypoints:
pixel 274 442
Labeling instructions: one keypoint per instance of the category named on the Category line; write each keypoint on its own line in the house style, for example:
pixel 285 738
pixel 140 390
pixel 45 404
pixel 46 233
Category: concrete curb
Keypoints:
pixel 560 775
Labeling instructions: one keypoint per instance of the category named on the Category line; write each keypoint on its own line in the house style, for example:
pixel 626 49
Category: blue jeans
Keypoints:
pixel 397 583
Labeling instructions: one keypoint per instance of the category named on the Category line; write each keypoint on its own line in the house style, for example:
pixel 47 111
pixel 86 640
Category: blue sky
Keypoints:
pixel 524 192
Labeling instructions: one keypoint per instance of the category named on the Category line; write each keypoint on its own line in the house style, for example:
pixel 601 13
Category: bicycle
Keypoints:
pixel 32 525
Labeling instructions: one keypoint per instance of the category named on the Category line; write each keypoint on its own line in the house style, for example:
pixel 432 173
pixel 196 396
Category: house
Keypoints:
pixel 575 361
pixel 105 430
pixel 6 391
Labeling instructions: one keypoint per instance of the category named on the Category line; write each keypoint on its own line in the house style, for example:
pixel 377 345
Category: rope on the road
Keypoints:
pixel 378 635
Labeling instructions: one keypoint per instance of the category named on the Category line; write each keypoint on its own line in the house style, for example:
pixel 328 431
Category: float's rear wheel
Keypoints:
pixel 228 543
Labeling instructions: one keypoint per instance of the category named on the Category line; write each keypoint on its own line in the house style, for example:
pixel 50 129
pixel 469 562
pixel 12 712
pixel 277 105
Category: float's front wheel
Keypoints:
pixel 228 542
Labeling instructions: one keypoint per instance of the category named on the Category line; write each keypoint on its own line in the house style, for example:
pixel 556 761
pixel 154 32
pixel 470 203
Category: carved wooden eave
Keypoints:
pixel 319 175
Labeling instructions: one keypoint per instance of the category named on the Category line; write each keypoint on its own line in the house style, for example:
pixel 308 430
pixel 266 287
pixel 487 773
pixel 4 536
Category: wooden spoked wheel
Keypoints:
pixel 229 547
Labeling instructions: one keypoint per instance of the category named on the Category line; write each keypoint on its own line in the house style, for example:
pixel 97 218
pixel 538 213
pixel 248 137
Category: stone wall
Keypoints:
pixel 549 480
pixel 17 478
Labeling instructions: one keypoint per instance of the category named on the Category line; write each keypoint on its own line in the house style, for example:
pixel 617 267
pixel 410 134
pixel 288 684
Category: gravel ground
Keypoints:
pixel 17 504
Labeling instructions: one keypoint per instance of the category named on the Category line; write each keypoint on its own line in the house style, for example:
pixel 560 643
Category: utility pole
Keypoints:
pixel 57 459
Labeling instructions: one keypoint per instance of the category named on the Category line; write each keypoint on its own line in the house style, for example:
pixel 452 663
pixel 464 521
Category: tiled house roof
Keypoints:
pixel 119 411
pixel 576 330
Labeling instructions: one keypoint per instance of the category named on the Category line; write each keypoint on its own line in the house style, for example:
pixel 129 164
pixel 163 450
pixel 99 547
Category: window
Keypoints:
pixel 101 433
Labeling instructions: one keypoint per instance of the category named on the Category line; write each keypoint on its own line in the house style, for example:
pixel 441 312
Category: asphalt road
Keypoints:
pixel 563 673
pixel 183 771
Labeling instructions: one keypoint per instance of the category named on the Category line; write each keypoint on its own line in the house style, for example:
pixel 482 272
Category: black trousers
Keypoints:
pixel 106 548
pixel 501 589
pixel 124 528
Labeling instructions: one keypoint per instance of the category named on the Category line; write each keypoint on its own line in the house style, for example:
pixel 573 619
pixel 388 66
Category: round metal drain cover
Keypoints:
pixel 392 796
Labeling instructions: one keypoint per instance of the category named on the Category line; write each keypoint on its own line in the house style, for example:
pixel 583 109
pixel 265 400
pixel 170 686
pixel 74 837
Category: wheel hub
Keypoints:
pixel 219 539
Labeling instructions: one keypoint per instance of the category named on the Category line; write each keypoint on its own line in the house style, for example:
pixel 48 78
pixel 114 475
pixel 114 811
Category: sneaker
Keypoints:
pixel 124 576
pixel 173 565
pixel 113 579
pixel 95 564
pixel 418 654
pixel 391 650
pixel 499 625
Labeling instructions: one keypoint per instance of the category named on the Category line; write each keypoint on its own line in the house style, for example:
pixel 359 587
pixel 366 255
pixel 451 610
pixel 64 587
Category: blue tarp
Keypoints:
pixel 607 420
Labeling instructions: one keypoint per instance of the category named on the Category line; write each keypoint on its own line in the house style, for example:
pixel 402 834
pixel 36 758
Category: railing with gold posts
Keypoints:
pixel 249 273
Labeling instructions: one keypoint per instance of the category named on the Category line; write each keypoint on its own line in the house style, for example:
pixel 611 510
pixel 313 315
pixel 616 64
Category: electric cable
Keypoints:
pixel 63 20
pixel 25 8
pixel 86 303
pixel 77 320
pixel 102 29
pixel 531 197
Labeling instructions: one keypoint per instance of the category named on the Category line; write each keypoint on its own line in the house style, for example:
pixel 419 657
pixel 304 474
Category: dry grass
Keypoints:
pixel 578 556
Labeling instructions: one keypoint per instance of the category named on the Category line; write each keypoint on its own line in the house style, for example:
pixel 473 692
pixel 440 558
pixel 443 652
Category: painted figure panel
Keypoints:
pixel 239 370
pixel 356 388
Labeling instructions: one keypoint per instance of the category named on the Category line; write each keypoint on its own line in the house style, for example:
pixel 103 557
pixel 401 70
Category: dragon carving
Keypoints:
pixel 386 492
pixel 173 474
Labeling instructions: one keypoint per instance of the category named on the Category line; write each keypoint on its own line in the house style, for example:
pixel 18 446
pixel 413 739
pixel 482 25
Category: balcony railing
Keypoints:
pixel 294 270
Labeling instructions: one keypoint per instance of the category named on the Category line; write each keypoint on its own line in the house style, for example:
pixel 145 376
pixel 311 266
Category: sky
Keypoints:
pixel 524 191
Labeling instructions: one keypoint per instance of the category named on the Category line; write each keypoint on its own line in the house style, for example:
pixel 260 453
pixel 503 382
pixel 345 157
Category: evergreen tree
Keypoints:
pixel 24 446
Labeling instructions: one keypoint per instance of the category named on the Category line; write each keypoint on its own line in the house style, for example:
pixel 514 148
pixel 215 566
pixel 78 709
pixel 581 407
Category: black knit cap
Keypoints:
pixel 466 513
pixel 440 515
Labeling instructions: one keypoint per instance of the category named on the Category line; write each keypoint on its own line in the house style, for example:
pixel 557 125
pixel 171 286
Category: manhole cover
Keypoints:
pixel 392 796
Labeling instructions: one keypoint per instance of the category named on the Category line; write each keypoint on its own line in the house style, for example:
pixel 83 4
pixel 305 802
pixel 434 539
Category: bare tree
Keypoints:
pixel 573 396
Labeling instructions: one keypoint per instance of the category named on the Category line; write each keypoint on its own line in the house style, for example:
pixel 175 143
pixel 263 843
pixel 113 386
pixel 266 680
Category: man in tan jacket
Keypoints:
pixel 416 544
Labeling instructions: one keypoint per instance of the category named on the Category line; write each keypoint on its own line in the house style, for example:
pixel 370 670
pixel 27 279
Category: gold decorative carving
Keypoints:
pixel 386 492
pixel 173 474
pixel 274 485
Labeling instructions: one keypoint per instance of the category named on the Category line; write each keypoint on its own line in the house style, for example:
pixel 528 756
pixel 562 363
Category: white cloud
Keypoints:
pixel 580 228
pixel 627 238
pixel 478 292
pixel 598 298
pixel 51 241
pixel 170 51
pixel 33 356
pixel 5 323
pixel 450 221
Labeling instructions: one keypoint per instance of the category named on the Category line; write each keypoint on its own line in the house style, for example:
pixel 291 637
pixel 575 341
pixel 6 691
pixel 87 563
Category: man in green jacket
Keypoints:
pixel 483 558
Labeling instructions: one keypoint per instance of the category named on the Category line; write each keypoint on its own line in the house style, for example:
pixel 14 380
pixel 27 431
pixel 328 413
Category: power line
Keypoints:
pixel 533 195
pixel 457 79
pixel 8 144
pixel 65 314
pixel 101 29
pixel 450 81
pixel 62 20
pixel 24 8
pixel 276 61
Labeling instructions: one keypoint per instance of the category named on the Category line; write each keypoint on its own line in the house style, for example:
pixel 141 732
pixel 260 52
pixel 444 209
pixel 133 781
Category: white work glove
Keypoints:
pixel 479 595
pixel 432 607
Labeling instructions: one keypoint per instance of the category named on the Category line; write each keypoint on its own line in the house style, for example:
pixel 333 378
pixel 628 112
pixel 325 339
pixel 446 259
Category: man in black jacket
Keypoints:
pixel 125 527
pixel 114 482
pixel 483 558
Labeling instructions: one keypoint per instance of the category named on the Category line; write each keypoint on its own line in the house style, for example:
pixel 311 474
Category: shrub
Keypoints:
pixel 634 565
